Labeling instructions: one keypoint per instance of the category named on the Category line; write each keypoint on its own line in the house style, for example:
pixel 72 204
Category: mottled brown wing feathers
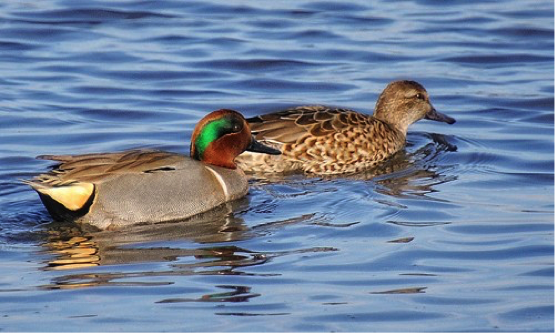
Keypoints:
pixel 290 125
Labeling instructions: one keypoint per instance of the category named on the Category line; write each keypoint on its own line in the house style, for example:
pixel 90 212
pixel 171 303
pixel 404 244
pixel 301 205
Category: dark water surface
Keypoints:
pixel 455 233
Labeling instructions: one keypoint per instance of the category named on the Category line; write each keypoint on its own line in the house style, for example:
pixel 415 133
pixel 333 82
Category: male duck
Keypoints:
pixel 324 140
pixel 109 190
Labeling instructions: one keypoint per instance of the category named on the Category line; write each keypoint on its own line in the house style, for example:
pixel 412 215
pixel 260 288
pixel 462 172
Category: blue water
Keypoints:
pixel 454 234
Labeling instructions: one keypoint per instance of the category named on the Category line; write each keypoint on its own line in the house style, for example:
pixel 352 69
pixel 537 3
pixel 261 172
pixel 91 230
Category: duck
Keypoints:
pixel 112 190
pixel 323 140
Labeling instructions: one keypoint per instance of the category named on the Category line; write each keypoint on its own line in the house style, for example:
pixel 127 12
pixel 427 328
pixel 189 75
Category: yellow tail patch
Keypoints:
pixel 72 197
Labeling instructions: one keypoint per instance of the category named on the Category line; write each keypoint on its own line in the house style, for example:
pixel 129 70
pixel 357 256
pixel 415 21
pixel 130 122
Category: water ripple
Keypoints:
pixel 84 16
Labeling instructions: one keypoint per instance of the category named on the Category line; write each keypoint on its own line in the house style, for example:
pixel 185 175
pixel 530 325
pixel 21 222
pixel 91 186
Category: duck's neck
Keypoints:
pixel 395 124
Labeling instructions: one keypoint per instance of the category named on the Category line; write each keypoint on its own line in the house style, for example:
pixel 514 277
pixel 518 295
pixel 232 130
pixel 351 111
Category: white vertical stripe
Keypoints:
pixel 221 180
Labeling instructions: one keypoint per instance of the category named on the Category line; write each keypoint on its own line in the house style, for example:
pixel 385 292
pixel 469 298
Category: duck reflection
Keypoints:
pixel 235 295
pixel 80 247
pixel 77 248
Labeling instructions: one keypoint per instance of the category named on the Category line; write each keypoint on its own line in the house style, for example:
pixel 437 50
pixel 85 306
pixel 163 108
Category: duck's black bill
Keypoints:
pixel 438 116
pixel 257 147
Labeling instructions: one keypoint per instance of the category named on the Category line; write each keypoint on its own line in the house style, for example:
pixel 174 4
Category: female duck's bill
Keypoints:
pixel 110 190
pixel 437 116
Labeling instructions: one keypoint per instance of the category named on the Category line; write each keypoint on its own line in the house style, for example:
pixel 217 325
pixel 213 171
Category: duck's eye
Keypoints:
pixel 236 128
pixel 420 96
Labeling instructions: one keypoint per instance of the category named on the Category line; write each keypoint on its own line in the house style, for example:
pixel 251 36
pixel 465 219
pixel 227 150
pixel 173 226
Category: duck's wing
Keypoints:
pixel 94 168
pixel 288 126
pixel 68 189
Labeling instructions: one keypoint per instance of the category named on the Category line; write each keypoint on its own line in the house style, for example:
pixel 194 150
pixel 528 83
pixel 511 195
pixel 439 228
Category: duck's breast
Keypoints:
pixel 176 192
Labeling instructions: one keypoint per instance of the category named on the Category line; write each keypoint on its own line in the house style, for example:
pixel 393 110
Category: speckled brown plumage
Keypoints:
pixel 325 140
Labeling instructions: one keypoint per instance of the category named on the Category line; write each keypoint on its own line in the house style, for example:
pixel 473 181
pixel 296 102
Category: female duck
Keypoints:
pixel 324 140
pixel 109 190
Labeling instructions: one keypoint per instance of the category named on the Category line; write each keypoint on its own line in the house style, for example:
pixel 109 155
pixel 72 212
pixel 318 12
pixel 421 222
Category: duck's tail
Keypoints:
pixel 63 201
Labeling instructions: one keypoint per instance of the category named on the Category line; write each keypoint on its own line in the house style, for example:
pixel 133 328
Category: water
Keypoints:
pixel 455 234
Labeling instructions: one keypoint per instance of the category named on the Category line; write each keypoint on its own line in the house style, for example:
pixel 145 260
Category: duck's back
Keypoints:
pixel 138 186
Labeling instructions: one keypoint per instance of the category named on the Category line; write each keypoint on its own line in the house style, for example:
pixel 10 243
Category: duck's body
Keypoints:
pixel 109 190
pixel 135 186
pixel 321 140
pixel 326 140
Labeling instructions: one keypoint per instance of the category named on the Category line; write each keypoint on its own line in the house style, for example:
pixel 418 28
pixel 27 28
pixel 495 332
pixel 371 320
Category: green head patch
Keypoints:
pixel 214 130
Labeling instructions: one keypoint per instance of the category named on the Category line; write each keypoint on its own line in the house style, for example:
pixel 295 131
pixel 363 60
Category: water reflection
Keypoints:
pixel 236 294
pixel 75 252
pixel 217 260
pixel 77 247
